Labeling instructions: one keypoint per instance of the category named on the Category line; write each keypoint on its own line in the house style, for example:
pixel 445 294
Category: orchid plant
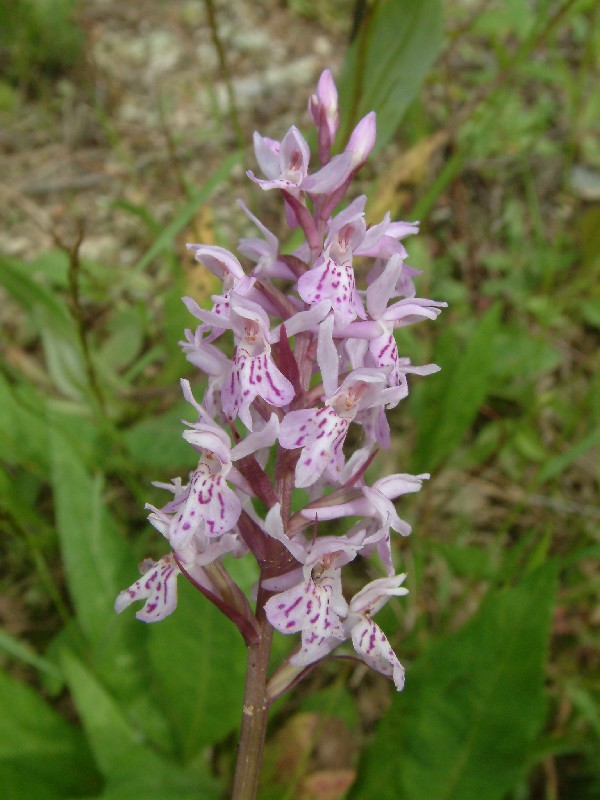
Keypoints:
pixel 314 353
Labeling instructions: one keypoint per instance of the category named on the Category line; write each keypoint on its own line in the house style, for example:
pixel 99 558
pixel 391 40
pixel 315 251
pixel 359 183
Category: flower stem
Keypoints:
pixel 255 710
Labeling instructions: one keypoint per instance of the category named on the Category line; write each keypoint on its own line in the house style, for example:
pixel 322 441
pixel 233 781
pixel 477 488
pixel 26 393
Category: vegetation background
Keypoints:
pixel 125 132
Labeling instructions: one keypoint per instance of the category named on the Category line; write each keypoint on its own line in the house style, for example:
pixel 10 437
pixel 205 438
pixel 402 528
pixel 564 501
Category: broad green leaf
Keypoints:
pixel 97 559
pixel 138 792
pixel 26 417
pixel 473 704
pixel 200 662
pixel 123 754
pixel 55 326
pixel 98 565
pixel 37 742
pixel 396 44
pixel 23 433
pixel 446 405
pixel 111 736
pixel 19 784
pixel 125 339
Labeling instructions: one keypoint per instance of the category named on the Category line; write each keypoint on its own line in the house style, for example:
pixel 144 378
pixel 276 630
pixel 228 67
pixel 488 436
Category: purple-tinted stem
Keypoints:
pixel 255 710
pixel 306 222
pixel 241 619
pixel 284 306
pixel 305 356
pixel 256 706
pixel 297 266
pixel 327 209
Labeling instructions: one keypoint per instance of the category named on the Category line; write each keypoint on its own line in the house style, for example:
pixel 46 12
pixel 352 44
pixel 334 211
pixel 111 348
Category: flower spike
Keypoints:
pixel 300 365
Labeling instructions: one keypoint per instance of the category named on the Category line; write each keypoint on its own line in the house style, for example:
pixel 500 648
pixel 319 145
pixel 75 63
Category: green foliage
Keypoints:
pixel 395 46
pixel 447 407
pixel 510 430
pixel 37 742
pixel 476 702
pixel 54 325
pixel 202 688
pixel 39 38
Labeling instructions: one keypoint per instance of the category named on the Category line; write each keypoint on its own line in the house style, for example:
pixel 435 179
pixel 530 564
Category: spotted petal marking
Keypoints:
pixel 251 377
pixel 321 436
pixel 158 587
pixel 210 501
pixel 371 643
pixel 385 354
pixel 330 281
pixel 313 648
pixel 306 606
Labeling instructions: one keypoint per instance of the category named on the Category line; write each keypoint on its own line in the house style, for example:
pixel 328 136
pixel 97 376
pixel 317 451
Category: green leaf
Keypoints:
pixel 123 754
pixel 138 792
pixel 54 323
pixel 466 723
pixel 396 44
pixel 98 565
pixel 200 661
pixel 445 406
pixel 23 652
pixel 97 559
pixel 125 340
pixel 23 434
pixel 36 742
pixel 111 736
pixel 18 784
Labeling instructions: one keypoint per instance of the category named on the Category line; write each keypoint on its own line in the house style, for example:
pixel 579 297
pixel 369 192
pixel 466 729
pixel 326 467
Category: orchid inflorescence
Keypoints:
pixel 313 354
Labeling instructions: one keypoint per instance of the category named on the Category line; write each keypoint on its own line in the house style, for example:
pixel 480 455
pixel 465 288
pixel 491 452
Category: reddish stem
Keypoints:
pixel 255 710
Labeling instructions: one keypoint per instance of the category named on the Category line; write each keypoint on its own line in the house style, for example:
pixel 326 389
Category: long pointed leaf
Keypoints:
pixel 446 405
pixel 395 46
pixel 466 723
pixel 130 765
pixel 37 742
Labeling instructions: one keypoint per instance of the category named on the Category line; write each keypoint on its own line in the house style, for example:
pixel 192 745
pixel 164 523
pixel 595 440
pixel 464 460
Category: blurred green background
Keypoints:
pixel 125 131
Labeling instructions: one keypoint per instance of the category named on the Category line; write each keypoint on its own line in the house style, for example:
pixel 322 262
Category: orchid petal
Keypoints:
pixel 267 155
pixel 256 440
pixel 375 594
pixel 407 312
pixel 204 315
pixel 307 606
pixel 210 503
pixel 218 260
pixel 158 586
pixel 362 140
pixel 327 356
pixel 305 320
pixel 321 435
pixel 393 486
pixel 383 289
pixel 252 377
pixel 294 156
pixel 327 280
pixel 371 643
pixel 188 395
pixel 329 177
